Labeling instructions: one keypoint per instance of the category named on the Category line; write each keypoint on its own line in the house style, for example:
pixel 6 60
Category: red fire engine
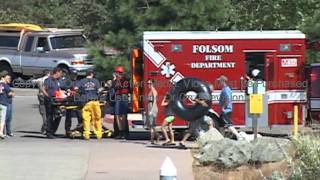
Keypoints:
pixel 279 55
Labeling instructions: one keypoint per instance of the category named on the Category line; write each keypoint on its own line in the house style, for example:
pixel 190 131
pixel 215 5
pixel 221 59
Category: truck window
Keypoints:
pixel 29 44
pixel 9 41
pixel 43 42
pixel 71 41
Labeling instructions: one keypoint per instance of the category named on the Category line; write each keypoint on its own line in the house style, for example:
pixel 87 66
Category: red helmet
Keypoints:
pixel 119 69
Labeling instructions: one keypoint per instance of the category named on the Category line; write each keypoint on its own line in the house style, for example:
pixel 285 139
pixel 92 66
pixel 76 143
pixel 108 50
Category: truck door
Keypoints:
pixel 263 62
pixel 36 56
pixel 28 55
pixel 44 59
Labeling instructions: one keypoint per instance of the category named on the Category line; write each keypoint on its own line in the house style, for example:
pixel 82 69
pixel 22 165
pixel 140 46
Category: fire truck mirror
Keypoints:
pixel 188 108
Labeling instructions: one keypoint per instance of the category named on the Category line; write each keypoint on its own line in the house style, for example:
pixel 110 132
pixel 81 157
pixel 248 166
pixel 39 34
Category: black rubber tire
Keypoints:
pixel 6 67
pixel 180 89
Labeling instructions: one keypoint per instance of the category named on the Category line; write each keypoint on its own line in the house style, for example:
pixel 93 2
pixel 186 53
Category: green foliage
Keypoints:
pixel 104 65
pixel 267 15
pixel 307 165
pixel 120 24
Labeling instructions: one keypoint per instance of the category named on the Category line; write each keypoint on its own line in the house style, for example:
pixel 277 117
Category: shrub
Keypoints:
pixel 307 163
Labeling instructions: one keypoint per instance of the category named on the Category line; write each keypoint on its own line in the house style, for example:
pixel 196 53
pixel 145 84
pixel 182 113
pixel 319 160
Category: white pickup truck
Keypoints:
pixel 26 51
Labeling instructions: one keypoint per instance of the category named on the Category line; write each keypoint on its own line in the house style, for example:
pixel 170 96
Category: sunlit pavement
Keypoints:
pixel 29 155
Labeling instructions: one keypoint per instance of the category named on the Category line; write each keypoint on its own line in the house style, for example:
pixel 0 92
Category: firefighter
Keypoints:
pixel 89 89
pixel 69 85
pixel 51 86
pixel 122 88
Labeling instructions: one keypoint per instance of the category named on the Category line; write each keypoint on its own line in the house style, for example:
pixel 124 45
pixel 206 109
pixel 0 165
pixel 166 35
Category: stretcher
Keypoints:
pixel 70 104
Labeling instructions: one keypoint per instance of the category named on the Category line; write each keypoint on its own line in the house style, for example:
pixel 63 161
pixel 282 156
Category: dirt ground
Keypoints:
pixel 246 172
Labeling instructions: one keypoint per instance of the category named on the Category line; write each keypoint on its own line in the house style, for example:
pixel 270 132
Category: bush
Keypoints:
pixel 307 163
pixel 104 65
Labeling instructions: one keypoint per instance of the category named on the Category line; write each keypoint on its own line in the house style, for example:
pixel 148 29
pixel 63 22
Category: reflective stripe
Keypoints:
pixel 285 96
pixel 275 96
pixel 155 57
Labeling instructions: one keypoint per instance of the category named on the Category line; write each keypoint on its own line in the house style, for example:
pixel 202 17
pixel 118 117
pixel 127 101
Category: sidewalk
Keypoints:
pixel 133 160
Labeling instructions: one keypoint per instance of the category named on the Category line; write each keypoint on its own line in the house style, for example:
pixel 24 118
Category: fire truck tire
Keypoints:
pixel 190 113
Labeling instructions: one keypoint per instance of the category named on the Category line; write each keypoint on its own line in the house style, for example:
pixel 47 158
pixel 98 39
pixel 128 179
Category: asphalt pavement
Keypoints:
pixel 29 155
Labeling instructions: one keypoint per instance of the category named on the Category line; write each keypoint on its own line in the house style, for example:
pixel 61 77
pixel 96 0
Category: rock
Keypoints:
pixel 267 149
pixel 248 137
pixel 209 136
pixel 236 155
pixel 210 153
pixel 230 153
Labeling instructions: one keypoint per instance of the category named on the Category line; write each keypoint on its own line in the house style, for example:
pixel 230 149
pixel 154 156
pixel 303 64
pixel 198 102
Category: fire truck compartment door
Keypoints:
pixel 268 76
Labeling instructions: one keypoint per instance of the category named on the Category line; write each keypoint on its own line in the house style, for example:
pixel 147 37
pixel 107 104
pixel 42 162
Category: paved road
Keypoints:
pixel 29 155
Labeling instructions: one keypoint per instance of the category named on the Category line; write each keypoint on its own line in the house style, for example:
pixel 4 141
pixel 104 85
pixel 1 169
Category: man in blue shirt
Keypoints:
pixel 89 89
pixel 51 86
pixel 10 94
pixel 3 103
pixel 225 102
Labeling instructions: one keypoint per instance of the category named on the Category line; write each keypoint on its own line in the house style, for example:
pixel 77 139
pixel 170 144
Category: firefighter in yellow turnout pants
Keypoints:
pixel 89 88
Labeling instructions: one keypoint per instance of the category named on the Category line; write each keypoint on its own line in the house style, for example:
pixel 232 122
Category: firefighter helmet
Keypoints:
pixel 119 69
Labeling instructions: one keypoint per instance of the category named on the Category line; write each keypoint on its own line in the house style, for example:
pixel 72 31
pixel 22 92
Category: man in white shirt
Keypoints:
pixel 42 109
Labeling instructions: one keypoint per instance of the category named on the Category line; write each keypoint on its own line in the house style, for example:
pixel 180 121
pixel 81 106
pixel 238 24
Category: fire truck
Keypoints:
pixel 168 57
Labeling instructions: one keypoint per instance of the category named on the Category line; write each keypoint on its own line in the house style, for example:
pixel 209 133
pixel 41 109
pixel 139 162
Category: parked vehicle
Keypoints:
pixel 167 57
pixel 27 49
pixel 314 93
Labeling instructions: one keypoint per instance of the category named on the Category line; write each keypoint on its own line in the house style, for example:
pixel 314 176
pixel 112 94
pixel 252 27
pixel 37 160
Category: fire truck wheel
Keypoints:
pixel 196 111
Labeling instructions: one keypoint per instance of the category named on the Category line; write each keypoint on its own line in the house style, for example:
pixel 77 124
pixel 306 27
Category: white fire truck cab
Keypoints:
pixel 167 57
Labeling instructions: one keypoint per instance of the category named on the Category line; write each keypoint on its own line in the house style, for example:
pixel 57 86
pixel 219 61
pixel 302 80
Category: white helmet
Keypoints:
pixel 255 72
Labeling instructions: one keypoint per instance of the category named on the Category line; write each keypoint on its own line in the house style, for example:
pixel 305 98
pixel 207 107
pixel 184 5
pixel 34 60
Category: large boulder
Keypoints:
pixel 209 137
pixel 267 149
pixel 237 154
pixel 211 151
pixel 230 153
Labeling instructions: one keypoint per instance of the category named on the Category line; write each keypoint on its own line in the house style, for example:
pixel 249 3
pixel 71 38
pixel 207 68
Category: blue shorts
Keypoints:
pixel 121 107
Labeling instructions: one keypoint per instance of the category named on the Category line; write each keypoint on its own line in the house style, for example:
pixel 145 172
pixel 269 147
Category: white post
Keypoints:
pixel 168 171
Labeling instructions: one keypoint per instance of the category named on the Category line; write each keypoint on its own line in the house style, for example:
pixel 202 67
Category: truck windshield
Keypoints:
pixel 64 42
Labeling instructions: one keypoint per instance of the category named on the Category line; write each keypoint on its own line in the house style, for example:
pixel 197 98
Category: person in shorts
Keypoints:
pixel 168 120
pixel 152 110
pixel 122 88
pixel 198 125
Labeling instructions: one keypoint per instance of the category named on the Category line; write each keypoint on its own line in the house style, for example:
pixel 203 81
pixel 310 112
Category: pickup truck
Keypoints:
pixel 27 53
